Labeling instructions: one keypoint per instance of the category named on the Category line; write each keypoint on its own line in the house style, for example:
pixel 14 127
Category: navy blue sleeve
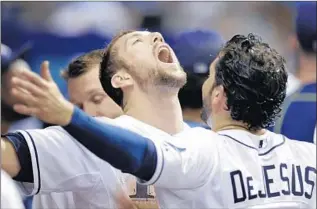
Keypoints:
pixel 24 156
pixel 123 149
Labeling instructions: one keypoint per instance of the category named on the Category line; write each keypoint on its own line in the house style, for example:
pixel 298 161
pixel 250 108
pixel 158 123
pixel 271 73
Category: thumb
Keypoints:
pixel 45 71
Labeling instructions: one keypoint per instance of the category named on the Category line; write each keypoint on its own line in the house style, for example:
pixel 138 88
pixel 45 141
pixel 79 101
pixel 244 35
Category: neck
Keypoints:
pixel 192 115
pixel 307 69
pixel 229 124
pixel 158 109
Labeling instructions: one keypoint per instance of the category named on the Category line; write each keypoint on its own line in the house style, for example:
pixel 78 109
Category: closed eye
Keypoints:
pixel 97 99
pixel 136 41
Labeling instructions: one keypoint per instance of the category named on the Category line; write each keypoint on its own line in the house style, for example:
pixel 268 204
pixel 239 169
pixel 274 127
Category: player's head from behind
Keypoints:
pixel 137 62
pixel 84 87
pixel 246 85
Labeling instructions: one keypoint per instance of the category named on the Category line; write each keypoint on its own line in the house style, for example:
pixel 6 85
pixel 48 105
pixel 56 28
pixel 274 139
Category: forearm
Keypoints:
pixel 9 159
pixel 123 149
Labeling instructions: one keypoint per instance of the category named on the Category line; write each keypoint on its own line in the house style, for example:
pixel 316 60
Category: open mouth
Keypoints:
pixel 165 55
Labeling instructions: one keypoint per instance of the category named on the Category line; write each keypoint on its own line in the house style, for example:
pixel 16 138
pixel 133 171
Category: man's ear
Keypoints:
pixel 218 92
pixel 219 96
pixel 223 97
pixel 121 79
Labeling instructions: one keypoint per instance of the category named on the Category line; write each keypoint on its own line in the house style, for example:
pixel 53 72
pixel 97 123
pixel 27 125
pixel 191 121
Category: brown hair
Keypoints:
pixel 108 66
pixel 82 64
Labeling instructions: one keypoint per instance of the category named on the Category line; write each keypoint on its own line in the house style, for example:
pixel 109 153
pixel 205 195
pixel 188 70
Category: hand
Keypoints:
pixel 44 100
pixel 16 68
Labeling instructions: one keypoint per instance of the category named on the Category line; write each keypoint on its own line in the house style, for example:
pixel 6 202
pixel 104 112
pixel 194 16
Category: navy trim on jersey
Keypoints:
pixel 239 141
pixel 261 154
pixel 37 163
pixel 22 151
pixel 161 171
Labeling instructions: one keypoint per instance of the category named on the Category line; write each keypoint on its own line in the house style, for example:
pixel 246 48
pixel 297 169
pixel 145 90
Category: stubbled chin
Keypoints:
pixel 175 78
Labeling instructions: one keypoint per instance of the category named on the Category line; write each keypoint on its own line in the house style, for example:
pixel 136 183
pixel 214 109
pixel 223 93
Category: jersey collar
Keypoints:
pixel 263 144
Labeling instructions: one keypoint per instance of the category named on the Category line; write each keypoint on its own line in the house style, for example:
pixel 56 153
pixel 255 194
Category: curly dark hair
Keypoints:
pixel 254 78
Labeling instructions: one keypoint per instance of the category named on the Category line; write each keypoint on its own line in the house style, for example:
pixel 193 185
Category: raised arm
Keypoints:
pixel 190 157
pixel 123 149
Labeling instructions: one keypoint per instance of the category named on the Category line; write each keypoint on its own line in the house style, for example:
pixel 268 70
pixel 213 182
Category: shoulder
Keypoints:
pixel 301 145
pixel 301 149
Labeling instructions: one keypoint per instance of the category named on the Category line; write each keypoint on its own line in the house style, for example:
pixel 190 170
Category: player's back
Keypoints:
pixel 268 171
pixel 236 169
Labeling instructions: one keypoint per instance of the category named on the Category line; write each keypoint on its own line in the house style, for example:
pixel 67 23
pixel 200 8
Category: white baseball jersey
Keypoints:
pixel 67 175
pixel 10 196
pixel 234 169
